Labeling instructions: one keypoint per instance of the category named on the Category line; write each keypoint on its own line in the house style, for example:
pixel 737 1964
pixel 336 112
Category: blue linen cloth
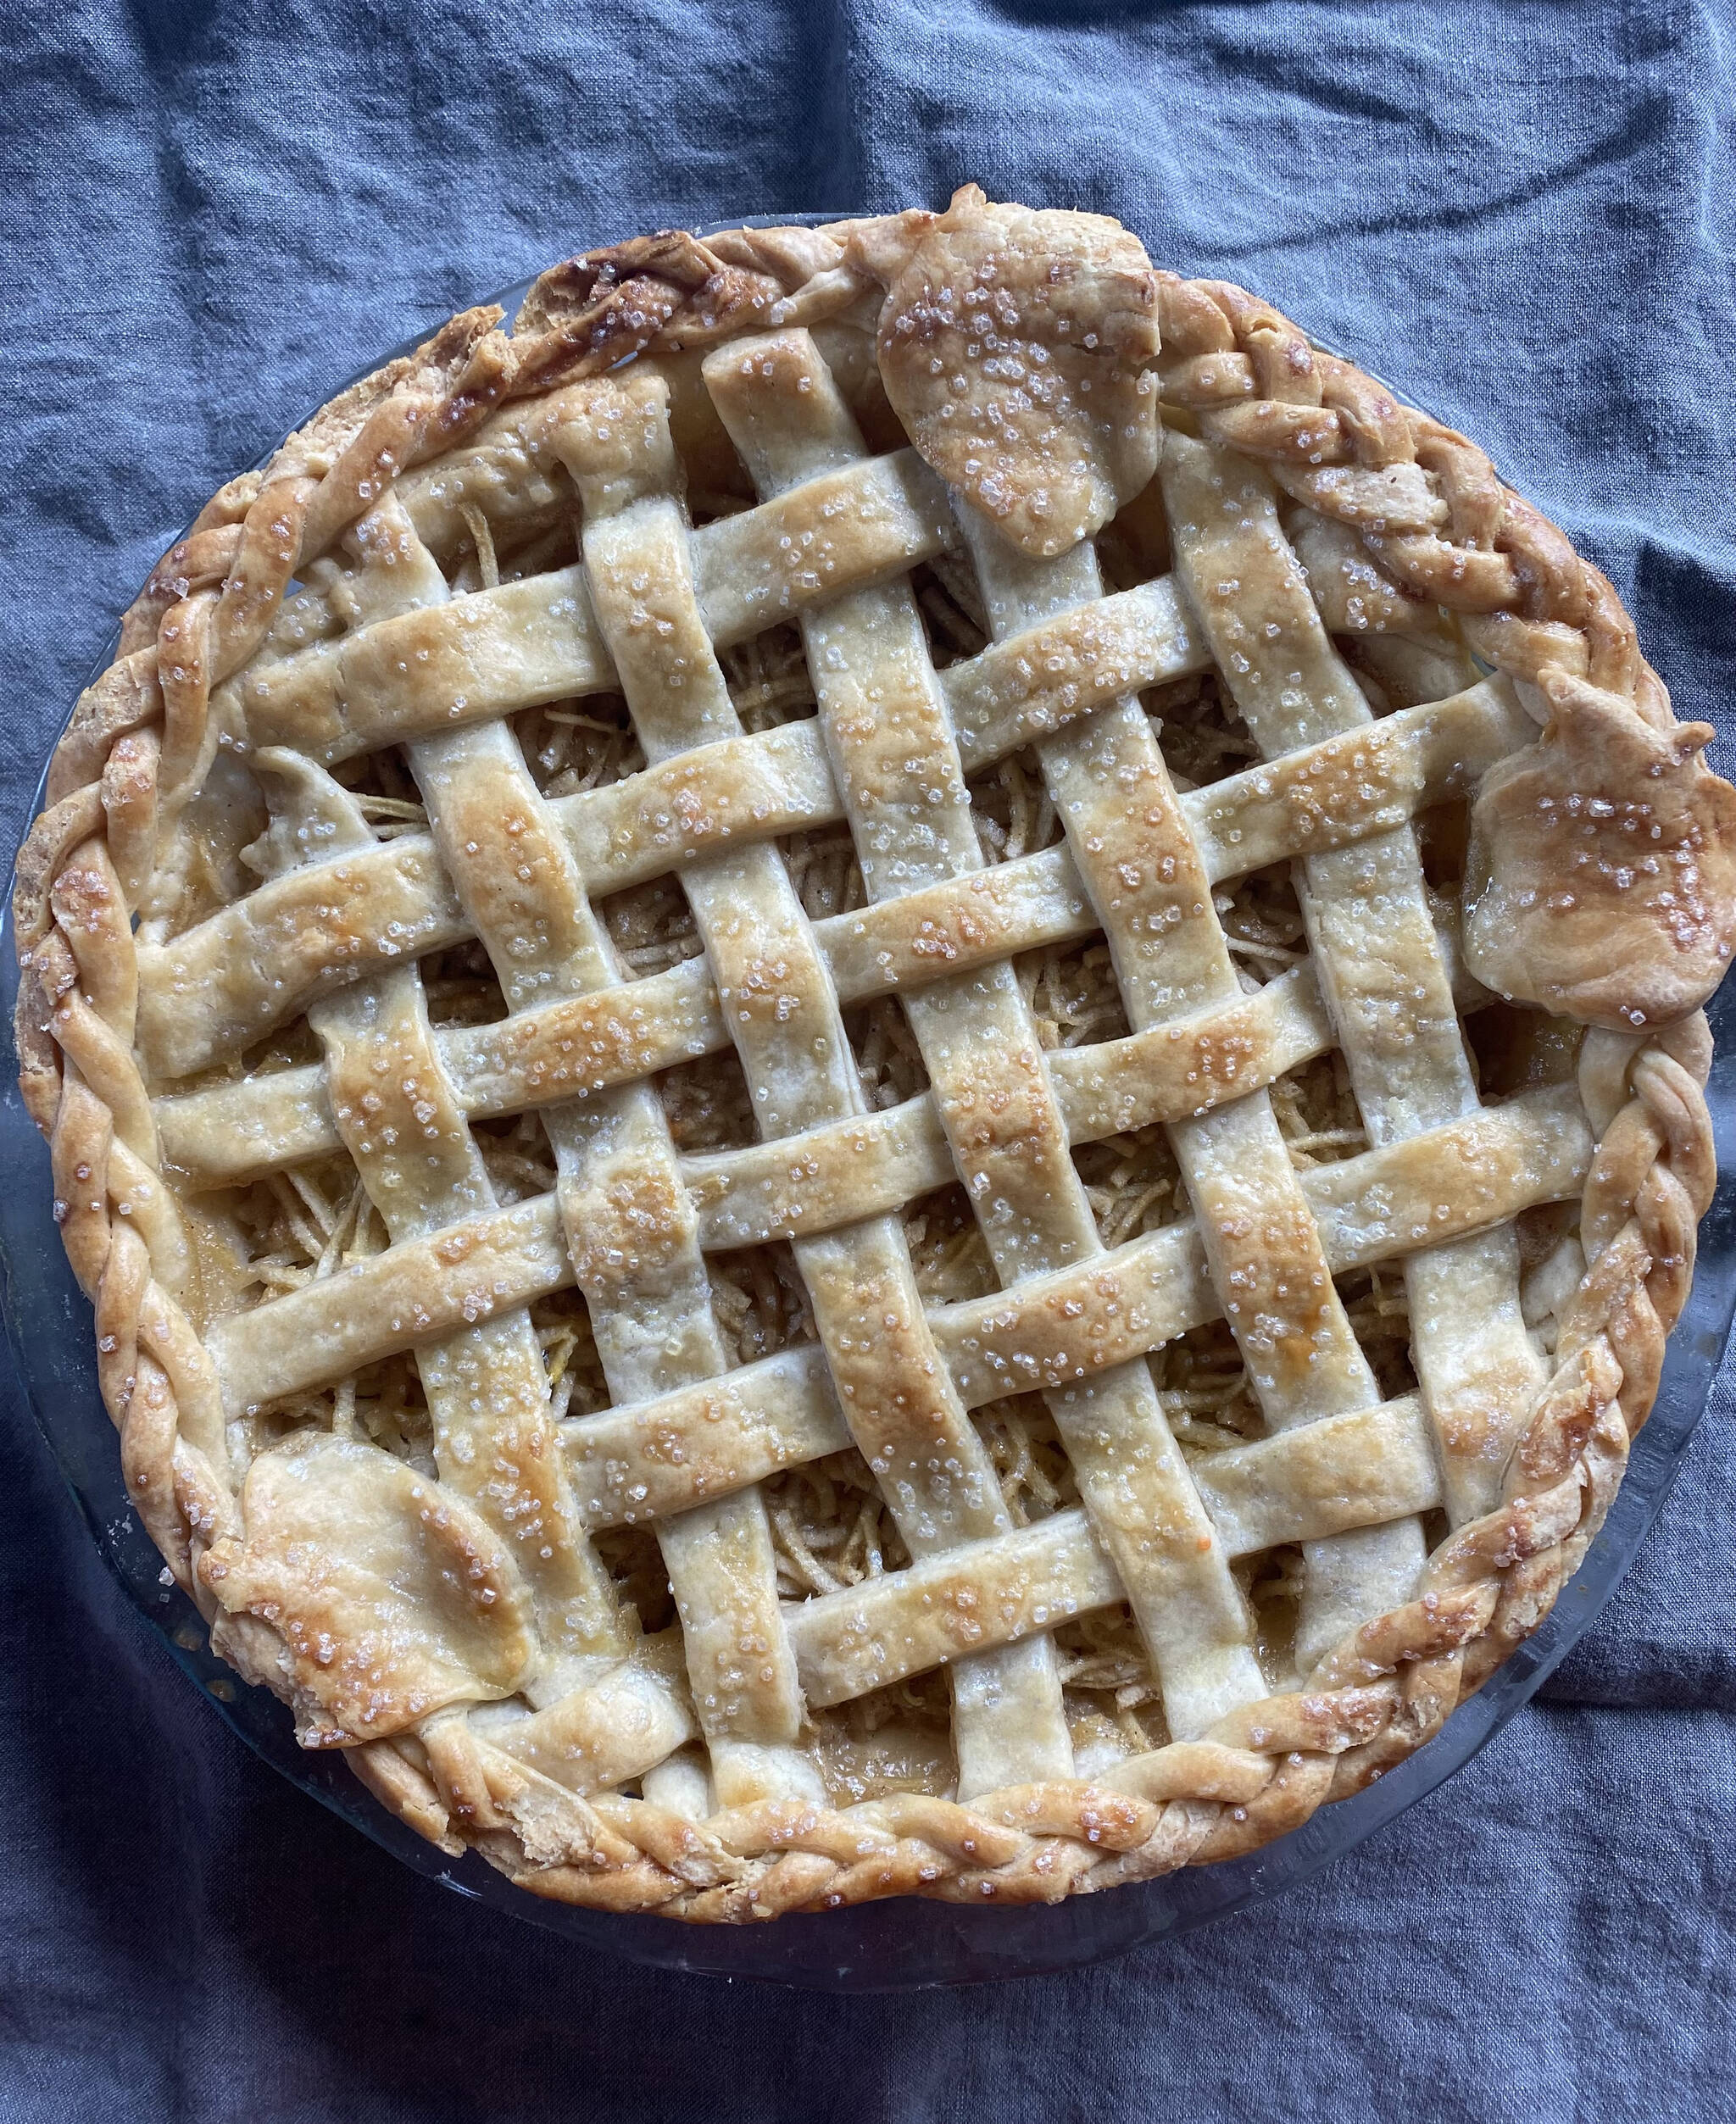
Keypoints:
pixel 1521 216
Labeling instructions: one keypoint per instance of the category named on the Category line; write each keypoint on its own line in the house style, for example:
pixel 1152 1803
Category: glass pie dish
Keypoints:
pixel 910 1943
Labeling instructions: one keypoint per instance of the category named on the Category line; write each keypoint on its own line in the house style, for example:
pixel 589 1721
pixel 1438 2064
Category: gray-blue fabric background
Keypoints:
pixel 210 215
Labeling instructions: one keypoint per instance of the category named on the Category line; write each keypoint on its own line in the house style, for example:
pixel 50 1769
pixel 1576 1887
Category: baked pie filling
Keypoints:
pixel 880 1067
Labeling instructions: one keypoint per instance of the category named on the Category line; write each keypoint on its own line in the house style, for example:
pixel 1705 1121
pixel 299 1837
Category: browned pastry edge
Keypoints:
pixel 1331 437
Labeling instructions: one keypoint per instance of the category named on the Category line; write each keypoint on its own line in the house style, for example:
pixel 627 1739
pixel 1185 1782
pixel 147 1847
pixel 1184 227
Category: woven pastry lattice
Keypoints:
pixel 453 948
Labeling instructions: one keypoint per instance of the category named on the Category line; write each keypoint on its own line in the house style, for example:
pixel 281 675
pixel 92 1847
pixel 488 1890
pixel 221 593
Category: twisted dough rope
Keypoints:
pixel 1426 504
pixel 140 742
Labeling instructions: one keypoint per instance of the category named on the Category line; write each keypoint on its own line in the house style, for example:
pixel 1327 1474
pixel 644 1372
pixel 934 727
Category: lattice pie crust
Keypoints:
pixel 880 1067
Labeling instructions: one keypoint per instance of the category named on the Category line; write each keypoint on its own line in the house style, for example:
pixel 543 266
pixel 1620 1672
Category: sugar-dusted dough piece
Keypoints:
pixel 1017 348
pixel 1602 870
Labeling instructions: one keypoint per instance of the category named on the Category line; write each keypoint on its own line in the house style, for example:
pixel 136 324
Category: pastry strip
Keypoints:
pixel 782 1012
pixel 1319 1479
pixel 523 643
pixel 258 961
pixel 1374 1208
pixel 1131 841
pixel 889 735
pixel 404 1127
pixel 485 1384
pixel 841 1170
pixel 627 1225
pixel 1380 968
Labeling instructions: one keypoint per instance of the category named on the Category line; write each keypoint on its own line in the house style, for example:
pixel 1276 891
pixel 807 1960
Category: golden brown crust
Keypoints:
pixel 416 1608
pixel 1426 505
pixel 1436 525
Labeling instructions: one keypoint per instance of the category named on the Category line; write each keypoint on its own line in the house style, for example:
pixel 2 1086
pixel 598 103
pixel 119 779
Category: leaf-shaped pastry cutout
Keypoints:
pixel 388 1596
pixel 1602 880
pixel 1017 348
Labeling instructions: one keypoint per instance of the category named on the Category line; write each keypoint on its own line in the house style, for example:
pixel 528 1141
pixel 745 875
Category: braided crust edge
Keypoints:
pixel 1437 524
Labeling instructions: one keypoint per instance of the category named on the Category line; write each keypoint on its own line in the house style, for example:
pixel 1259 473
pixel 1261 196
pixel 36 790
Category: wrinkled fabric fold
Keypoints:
pixel 1521 216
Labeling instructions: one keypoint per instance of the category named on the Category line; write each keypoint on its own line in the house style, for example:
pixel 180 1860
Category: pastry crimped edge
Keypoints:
pixel 1528 607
